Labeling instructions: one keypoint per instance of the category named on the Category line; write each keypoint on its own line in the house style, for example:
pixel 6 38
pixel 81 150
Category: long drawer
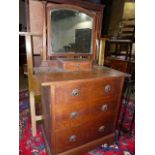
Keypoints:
pixel 73 137
pixel 88 90
pixel 80 113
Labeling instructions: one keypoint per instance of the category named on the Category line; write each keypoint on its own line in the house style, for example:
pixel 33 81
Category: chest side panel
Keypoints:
pixel 46 111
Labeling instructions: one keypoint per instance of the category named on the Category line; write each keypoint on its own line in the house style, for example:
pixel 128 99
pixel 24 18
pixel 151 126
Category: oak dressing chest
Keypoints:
pixel 80 100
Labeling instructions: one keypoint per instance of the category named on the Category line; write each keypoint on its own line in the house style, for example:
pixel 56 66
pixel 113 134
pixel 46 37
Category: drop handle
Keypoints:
pixel 104 107
pixel 101 128
pixel 72 138
pixel 75 92
pixel 107 88
pixel 74 114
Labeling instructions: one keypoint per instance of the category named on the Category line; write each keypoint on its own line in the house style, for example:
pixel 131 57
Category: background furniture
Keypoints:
pixel 121 43
pixel 127 29
pixel 127 66
pixel 120 48
pixel 33 86
pixel 80 43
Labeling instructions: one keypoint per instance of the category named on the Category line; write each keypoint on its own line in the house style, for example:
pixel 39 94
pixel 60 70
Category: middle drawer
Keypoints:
pixel 80 113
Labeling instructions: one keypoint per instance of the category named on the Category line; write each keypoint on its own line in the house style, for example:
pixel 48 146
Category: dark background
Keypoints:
pixel 106 14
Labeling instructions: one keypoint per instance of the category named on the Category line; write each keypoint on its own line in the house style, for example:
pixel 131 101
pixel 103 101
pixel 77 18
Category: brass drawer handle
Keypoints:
pixel 72 138
pixel 75 92
pixel 77 65
pixel 107 88
pixel 104 107
pixel 101 128
pixel 74 114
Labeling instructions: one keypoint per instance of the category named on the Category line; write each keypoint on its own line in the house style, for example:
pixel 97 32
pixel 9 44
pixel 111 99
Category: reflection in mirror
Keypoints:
pixel 71 31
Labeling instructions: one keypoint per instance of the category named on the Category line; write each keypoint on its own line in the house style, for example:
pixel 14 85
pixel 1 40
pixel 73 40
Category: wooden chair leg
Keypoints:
pixel 33 114
pixel 34 117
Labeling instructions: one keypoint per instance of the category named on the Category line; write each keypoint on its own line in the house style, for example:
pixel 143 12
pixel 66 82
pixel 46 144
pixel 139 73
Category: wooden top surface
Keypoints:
pixel 97 72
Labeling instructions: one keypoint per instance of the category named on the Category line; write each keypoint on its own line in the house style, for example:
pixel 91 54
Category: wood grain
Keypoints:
pixel 95 73
pixel 84 133
pixel 88 90
pixel 109 139
pixel 75 64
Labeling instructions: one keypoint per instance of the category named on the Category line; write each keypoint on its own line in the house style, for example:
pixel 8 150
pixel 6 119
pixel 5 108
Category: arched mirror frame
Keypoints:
pixel 93 10
pixel 49 33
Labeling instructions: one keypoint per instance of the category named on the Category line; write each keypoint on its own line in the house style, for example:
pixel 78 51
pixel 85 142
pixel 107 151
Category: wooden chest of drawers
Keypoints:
pixel 80 108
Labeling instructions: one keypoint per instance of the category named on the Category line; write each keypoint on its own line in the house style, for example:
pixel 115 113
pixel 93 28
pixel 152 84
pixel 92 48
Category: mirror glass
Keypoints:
pixel 71 31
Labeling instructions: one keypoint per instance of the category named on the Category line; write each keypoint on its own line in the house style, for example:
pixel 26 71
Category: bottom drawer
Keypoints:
pixel 73 137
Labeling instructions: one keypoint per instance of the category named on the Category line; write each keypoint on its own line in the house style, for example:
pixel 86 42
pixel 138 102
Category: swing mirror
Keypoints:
pixel 70 31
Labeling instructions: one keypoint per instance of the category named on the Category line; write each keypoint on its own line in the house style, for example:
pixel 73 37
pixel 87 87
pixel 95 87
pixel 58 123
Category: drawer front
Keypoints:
pixel 88 90
pixel 101 127
pixel 73 137
pixel 77 114
pixel 75 66
pixel 104 105
pixel 73 115
pixel 70 138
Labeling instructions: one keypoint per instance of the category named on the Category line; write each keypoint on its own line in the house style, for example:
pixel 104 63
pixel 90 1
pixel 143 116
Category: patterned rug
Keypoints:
pixel 30 145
